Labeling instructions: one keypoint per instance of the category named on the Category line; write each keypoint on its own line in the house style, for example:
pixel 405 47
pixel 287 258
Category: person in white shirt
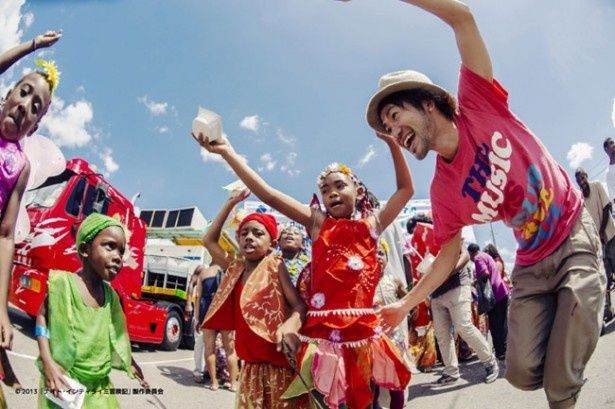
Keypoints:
pixel 609 148
pixel 599 206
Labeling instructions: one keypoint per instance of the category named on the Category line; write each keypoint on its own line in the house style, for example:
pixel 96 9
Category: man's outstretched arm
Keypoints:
pixel 474 54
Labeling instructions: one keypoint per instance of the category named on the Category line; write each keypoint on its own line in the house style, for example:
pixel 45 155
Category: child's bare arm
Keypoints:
pixel 16 53
pixel 405 185
pixel 288 331
pixel 283 203
pixel 54 373
pixel 7 247
pixel 212 236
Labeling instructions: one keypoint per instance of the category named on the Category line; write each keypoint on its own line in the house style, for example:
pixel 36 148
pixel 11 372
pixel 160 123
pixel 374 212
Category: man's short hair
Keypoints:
pixel 606 143
pixel 580 171
pixel 473 248
pixel 444 102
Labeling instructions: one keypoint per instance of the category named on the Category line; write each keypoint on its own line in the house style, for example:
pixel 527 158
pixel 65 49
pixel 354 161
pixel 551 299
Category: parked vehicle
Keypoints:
pixel 56 210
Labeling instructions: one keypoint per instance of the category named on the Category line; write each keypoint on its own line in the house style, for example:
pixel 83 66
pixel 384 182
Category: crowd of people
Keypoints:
pixel 331 327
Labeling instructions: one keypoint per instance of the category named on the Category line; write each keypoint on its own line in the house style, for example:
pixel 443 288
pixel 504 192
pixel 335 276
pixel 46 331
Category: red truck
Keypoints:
pixel 56 209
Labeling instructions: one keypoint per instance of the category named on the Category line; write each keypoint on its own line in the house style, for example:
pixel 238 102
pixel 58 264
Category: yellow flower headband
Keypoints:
pixel 333 168
pixel 50 72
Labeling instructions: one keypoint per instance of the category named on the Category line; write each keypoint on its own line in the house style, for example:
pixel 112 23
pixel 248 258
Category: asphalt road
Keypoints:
pixel 171 374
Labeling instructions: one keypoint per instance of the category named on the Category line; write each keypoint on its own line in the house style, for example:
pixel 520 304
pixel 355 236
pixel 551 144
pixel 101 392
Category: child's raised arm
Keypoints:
pixel 212 236
pixel 16 53
pixel 283 203
pixel 405 186
pixel 54 373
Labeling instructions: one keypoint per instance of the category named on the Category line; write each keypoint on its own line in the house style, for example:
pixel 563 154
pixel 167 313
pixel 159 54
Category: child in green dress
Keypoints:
pixel 81 328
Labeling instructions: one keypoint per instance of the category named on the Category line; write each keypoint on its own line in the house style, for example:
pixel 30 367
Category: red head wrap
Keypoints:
pixel 266 219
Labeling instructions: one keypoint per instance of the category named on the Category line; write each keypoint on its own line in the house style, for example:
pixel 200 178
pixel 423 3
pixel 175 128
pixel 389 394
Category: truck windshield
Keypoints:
pixel 48 193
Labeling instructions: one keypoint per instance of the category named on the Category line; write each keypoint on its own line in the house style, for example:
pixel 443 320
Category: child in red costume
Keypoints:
pixel 346 350
pixel 256 299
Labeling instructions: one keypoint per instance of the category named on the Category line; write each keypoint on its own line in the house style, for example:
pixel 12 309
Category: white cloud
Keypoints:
pixel 251 123
pixel 268 163
pixel 67 125
pixel 155 108
pixel 289 140
pixel 613 114
pixel 28 19
pixel 578 153
pixel 211 157
pixel 111 165
pixel 369 155
pixel 10 18
pixel 163 129
pixel 288 166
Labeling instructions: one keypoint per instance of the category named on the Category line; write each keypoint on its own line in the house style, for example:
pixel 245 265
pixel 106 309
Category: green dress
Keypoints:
pixel 86 341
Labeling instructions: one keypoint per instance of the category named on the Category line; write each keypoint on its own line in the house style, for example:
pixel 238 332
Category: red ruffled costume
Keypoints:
pixel 423 242
pixel 346 349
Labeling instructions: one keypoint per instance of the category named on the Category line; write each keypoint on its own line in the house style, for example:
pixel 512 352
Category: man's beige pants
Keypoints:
pixel 453 309
pixel 555 316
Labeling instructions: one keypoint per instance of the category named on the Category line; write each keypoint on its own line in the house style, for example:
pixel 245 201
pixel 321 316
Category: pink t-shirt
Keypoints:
pixel 502 172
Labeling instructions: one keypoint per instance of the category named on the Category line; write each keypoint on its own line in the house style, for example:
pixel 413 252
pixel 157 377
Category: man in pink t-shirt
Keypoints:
pixel 491 167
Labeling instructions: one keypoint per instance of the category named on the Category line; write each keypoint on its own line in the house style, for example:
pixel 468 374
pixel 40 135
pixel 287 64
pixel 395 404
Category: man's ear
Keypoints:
pixel 428 106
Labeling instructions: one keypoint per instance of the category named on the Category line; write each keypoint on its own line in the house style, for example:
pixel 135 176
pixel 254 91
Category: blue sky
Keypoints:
pixel 291 79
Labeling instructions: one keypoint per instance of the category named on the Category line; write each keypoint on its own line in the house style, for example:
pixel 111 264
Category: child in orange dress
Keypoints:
pixel 345 350
pixel 256 299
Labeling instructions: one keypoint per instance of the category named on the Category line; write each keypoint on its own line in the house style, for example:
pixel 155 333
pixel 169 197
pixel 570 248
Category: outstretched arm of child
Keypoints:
pixel 442 266
pixel 210 239
pixel 405 185
pixel 54 373
pixel 16 53
pixel 474 54
pixel 283 203
pixel 288 332
pixel 7 247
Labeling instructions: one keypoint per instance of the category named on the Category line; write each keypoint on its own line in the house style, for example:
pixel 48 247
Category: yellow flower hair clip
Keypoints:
pixel 333 168
pixel 50 72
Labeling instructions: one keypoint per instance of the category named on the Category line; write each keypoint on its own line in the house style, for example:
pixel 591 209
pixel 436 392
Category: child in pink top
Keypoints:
pixel 24 106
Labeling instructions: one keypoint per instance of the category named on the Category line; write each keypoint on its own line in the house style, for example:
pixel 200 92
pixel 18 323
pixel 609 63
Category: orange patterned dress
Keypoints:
pixel 255 311
pixel 346 350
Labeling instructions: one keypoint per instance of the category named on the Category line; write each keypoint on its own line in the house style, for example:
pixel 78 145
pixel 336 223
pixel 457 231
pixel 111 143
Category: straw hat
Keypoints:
pixel 398 81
